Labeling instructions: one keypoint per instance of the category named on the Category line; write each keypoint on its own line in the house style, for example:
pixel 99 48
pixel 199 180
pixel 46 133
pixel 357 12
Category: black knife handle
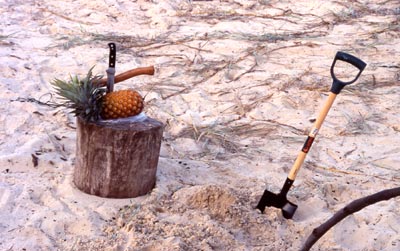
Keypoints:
pixel 113 53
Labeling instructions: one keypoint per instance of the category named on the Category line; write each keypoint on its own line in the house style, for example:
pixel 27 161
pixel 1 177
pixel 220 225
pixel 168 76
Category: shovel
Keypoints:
pixel 270 199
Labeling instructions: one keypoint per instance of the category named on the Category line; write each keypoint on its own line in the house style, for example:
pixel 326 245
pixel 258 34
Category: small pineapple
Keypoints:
pixel 121 104
pixel 91 102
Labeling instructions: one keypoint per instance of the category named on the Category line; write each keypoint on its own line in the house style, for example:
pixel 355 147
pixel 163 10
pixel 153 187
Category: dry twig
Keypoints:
pixel 351 208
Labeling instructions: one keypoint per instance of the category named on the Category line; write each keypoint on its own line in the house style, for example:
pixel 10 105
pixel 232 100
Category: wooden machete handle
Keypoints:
pixel 149 70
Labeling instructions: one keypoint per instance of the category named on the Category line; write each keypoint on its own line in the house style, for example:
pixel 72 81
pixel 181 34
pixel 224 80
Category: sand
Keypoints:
pixel 238 84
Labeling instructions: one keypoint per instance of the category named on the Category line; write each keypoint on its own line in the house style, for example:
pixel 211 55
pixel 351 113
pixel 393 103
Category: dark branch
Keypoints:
pixel 351 208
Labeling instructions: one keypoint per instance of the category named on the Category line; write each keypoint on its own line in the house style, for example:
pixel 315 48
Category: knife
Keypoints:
pixel 111 67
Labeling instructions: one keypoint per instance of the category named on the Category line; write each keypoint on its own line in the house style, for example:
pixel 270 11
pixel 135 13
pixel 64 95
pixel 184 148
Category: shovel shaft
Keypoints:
pixel 311 136
pixel 324 111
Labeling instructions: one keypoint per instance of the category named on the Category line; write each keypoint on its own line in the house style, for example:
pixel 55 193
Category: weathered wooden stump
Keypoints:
pixel 117 159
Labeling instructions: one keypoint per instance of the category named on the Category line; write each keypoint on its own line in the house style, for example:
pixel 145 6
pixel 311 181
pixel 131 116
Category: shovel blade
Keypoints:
pixel 269 199
pixel 289 209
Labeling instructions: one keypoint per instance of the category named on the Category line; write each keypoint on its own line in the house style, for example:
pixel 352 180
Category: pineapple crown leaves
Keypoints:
pixel 82 96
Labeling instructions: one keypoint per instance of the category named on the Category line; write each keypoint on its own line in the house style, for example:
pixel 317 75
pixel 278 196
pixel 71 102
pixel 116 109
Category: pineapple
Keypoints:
pixel 121 104
pixel 89 101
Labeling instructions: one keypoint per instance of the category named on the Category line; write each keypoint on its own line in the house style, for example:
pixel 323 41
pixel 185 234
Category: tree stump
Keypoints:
pixel 117 159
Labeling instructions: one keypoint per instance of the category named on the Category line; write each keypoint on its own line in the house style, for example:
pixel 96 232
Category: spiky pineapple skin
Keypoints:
pixel 121 104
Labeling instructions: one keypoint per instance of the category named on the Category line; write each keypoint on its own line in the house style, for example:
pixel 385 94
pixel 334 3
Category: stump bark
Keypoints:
pixel 117 159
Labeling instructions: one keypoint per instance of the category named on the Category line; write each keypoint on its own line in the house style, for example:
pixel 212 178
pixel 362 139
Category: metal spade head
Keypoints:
pixel 270 199
pixel 288 210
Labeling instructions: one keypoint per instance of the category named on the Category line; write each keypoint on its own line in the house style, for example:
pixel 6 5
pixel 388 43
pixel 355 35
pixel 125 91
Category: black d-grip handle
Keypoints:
pixel 338 85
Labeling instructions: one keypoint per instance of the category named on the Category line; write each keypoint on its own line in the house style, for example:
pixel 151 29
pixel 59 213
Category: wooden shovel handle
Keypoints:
pixel 311 136
pixel 149 70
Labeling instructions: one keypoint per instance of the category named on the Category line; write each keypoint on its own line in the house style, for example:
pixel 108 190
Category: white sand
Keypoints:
pixel 237 84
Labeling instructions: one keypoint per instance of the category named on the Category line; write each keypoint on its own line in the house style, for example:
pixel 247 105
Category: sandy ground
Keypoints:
pixel 238 84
